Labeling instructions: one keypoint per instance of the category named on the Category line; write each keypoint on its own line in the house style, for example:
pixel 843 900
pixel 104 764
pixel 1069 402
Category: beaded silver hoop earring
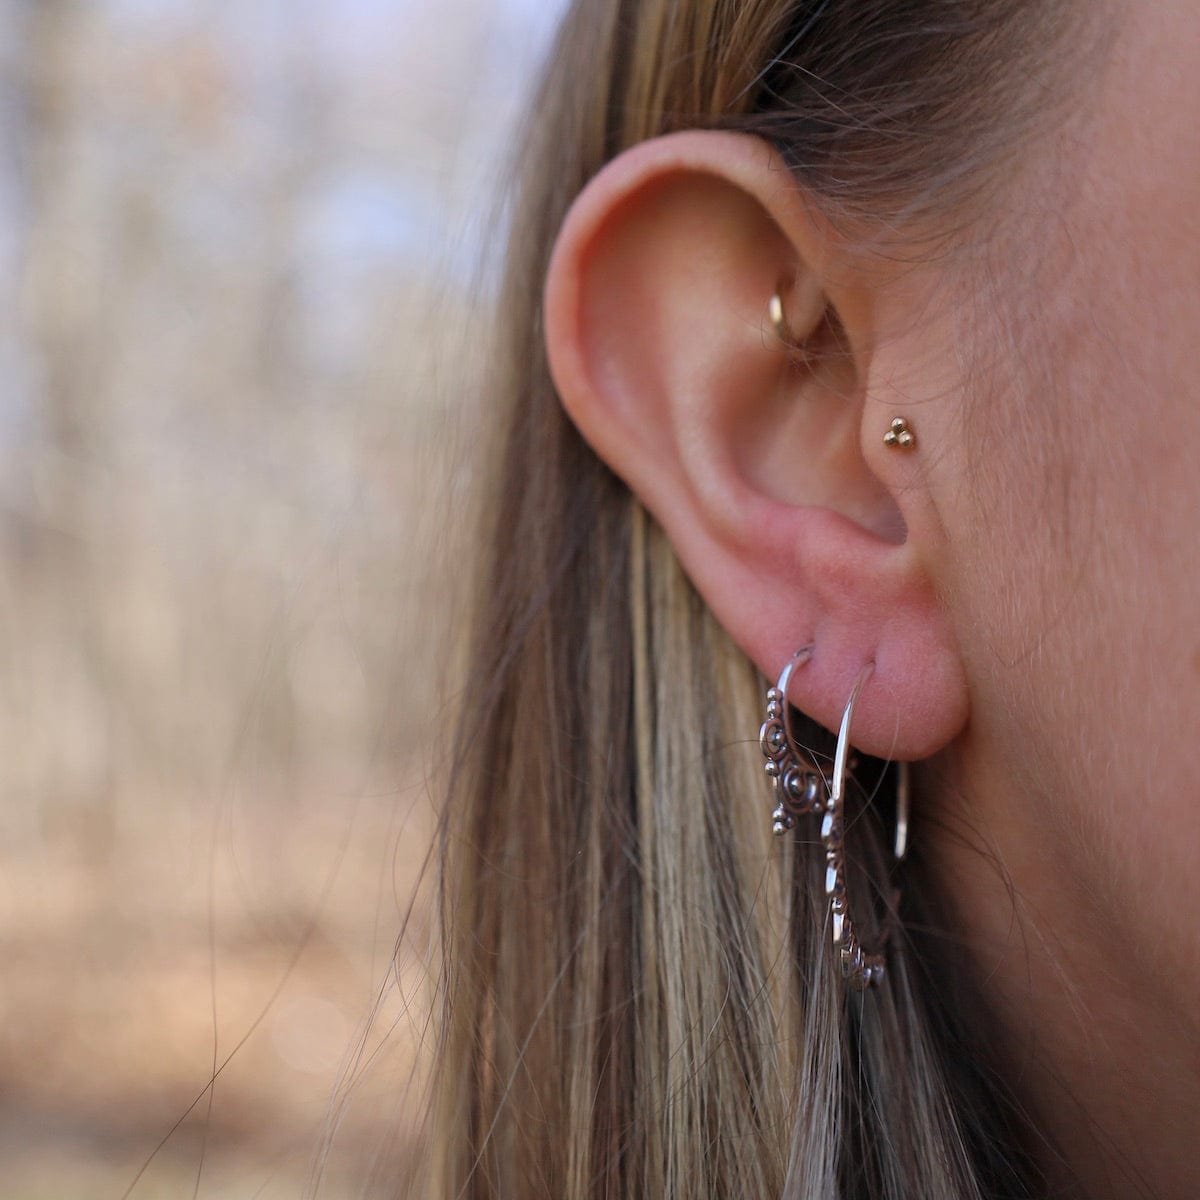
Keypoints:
pixel 801 789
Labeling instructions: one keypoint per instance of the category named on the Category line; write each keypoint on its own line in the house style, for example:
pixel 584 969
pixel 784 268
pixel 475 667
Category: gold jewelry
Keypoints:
pixel 783 331
pixel 779 322
pixel 899 435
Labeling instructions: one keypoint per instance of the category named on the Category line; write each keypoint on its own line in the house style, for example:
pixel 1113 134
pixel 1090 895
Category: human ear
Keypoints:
pixel 765 465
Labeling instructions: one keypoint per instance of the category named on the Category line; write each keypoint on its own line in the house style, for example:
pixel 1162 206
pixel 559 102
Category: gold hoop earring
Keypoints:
pixel 779 323
pixel 783 331
pixel 800 790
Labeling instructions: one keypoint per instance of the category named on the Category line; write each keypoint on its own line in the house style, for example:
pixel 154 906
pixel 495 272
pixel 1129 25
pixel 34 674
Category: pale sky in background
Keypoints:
pixel 374 63
pixel 417 96
pixel 234 238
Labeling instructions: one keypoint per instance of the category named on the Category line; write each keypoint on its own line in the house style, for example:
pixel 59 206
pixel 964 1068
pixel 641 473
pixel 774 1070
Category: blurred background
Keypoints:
pixel 239 243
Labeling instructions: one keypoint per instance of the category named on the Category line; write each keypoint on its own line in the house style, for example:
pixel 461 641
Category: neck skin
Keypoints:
pixel 1095 1046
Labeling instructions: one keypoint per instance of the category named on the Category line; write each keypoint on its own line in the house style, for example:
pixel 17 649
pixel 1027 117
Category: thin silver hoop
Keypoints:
pixel 860 968
pixel 801 789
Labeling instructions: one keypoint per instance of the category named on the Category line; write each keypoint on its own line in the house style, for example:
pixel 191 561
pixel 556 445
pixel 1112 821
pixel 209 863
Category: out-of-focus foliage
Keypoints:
pixel 231 236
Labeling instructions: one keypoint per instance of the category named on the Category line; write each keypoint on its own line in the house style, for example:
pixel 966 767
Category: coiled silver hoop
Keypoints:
pixel 801 789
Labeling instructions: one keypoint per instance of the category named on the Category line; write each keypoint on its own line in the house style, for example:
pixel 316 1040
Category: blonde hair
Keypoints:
pixel 637 994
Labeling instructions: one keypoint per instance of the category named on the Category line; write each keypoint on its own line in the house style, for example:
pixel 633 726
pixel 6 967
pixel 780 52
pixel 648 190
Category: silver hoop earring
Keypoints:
pixel 800 789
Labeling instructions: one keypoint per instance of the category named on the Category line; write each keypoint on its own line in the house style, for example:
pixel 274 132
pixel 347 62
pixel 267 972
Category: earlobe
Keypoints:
pixel 667 356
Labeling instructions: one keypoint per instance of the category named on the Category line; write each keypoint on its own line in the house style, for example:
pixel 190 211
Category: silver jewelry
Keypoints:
pixel 801 789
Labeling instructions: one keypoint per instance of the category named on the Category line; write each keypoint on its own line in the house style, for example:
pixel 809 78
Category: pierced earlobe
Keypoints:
pixel 801 789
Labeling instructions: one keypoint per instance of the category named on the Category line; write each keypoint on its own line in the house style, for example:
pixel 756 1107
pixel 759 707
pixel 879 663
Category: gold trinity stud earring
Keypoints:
pixel 899 435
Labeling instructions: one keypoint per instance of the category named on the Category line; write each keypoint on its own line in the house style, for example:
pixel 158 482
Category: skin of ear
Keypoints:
pixel 766 467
